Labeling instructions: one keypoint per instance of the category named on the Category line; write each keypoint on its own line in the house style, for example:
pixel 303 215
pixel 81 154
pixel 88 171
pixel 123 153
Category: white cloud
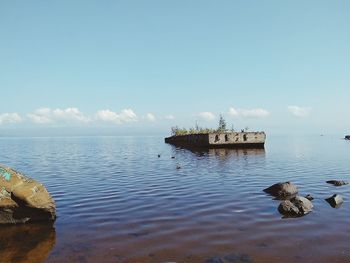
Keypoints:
pixel 233 112
pixel 126 115
pixel 300 112
pixel 40 116
pixel 249 113
pixel 150 117
pixel 9 118
pixel 47 115
pixel 254 113
pixel 39 119
pixel 206 115
pixel 70 114
pixel 169 117
pixel 108 116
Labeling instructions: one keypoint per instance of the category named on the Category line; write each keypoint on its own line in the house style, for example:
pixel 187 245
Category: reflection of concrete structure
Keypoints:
pixel 226 153
pixel 220 140
pixel 236 152
pixel 30 243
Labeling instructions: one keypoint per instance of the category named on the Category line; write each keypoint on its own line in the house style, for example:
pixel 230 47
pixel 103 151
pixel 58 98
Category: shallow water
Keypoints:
pixel 118 202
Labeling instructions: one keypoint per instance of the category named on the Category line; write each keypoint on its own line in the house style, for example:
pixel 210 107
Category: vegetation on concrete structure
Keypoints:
pixel 222 127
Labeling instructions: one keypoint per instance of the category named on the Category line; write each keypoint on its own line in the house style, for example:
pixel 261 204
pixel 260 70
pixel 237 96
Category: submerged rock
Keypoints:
pixel 285 189
pixel 23 199
pixel 295 207
pixel 230 258
pixel 337 182
pixel 335 200
pixel 309 197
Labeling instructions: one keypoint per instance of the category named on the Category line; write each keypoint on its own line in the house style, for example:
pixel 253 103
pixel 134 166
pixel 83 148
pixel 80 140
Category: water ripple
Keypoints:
pixel 119 202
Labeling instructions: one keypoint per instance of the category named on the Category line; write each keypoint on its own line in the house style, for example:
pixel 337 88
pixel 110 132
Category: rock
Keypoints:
pixel 158 155
pixel 295 207
pixel 335 200
pixel 178 167
pixel 282 189
pixel 347 137
pixel 23 199
pixel 230 258
pixel 309 197
pixel 337 182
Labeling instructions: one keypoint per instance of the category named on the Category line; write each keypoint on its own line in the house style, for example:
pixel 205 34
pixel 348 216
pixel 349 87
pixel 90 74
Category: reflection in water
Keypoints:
pixel 224 153
pixel 29 243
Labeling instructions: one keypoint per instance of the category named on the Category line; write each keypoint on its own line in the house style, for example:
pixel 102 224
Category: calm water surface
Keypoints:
pixel 118 202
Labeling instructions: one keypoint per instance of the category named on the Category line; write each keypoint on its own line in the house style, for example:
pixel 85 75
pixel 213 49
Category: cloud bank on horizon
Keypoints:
pixel 73 116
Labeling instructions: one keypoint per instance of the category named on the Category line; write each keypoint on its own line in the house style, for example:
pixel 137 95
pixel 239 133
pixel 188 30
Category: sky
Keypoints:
pixel 140 67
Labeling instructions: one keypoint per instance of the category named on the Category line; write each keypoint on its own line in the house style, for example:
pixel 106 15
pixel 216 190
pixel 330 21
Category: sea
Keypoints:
pixel 139 200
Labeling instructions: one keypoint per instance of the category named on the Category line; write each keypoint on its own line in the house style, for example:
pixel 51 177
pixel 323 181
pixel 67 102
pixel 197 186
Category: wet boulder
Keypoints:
pixel 295 207
pixel 337 182
pixel 23 199
pixel 335 200
pixel 285 189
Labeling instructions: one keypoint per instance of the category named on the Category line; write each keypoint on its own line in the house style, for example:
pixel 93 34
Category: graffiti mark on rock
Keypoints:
pixel 5 174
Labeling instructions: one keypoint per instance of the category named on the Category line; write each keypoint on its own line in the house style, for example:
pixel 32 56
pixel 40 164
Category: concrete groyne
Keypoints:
pixel 220 140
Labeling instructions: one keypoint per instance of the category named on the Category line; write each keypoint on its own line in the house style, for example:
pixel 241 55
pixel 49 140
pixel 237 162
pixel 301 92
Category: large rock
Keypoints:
pixel 337 182
pixel 23 199
pixel 335 200
pixel 296 206
pixel 285 189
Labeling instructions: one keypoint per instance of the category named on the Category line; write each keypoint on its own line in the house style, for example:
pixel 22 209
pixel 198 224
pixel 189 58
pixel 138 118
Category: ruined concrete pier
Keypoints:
pixel 219 140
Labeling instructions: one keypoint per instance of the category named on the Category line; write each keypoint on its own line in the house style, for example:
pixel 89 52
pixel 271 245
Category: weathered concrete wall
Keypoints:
pixel 237 138
pixel 191 139
pixel 212 140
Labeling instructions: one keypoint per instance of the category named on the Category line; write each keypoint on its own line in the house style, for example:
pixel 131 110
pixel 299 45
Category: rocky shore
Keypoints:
pixel 294 205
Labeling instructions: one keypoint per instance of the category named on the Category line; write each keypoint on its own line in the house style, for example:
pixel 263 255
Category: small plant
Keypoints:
pixel 222 124
pixel 222 128
pixel 176 131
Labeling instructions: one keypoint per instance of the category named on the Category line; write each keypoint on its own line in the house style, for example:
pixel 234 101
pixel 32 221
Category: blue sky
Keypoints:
pixel 143 66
